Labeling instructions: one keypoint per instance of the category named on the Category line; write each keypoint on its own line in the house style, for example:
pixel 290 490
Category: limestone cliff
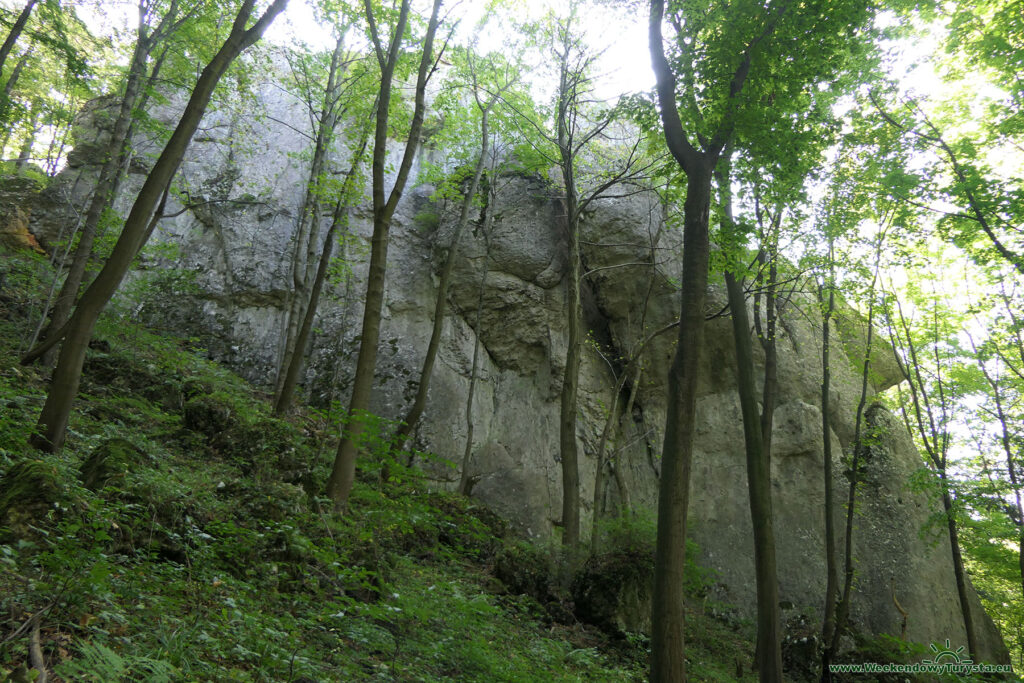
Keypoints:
pixel 243 178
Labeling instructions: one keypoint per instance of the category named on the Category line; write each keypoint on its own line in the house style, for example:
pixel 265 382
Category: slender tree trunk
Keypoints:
pixel 55 332
pixel 610 464
pixel 770 391
pixel 16 29
pixel 57 139
pixel 466 480
pixel 569 399
pixel 307 237
pixel 831 577
pixel 51 428
pixel 102 195
pixel 667 613
pixel 343 471
pixel 935 440
pixel 668 662
pixel 759 487
pixel 958 568
pixel 1012 468
pixel 842 611
pixel 769 636
pixel 570 391
pixel 25 154
pixel 340 218
pixel 419 403
pixel 600 478
pixel 602 466
pixel 12 81
pixel 1015 484
pixel 1006 440
pixel 625 500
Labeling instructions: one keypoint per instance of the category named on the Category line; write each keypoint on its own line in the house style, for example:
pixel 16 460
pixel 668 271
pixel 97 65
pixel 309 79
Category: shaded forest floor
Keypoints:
pixel 179 536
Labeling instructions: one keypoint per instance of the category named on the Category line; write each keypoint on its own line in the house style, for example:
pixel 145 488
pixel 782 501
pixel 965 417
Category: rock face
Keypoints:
pixel 219 271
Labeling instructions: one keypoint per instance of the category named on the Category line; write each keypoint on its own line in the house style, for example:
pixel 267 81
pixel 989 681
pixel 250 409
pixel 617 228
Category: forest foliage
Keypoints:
pixel 870 152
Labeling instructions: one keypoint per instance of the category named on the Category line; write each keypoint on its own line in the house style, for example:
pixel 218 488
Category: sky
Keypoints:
pixel 624 67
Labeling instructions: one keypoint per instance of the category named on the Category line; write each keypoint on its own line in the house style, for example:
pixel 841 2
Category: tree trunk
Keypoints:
pixel 102 195
pixel 935 440
pixel 343 471
pixel 51 428
pixel 769 637
pixel 25 154
pixel 667 618
pixel 831 577
pixel 958 568
pixel 307 237
pixel 12 81
pixel 16 29
pixel 570 392
pixel 602 465
pixel 466 481
pixel 842 611
pixel 609 464
pixel 667 613
pixel 770 391
pixel 291 376
pixel 419 403
pixel 1006 440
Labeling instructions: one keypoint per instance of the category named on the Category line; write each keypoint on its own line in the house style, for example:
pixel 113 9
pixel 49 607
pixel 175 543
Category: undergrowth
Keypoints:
pixel 180 536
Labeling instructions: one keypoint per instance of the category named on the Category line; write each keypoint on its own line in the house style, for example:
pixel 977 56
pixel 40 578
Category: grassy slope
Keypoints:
pixel 198 554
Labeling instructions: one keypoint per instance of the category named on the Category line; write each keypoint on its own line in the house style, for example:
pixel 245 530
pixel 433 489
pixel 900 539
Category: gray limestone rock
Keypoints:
pixel 243 182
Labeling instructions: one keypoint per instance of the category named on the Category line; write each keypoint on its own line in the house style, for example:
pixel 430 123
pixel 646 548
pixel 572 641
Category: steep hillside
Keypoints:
pixel 179 536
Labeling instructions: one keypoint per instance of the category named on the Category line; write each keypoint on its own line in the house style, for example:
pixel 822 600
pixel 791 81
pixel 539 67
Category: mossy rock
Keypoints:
pixel 208 415
pixel 467 526
pixel 530 570
pixel 106 369
pixel 125 374
pixel 270 443
pixel 613 591
pixel 28 490
pixel 194 386
pixel 801 648
pixel 110 462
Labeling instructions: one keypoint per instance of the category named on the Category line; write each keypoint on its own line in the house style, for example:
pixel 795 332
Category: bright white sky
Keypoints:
pixel 625 64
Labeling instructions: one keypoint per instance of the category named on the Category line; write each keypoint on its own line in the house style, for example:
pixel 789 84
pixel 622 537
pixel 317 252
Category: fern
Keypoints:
pixel 100 664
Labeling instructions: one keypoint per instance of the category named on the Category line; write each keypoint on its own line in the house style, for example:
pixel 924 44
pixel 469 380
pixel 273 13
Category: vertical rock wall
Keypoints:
pixel 228 253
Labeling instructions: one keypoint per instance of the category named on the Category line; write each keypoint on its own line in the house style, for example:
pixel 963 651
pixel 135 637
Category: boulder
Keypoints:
pixel 109 463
